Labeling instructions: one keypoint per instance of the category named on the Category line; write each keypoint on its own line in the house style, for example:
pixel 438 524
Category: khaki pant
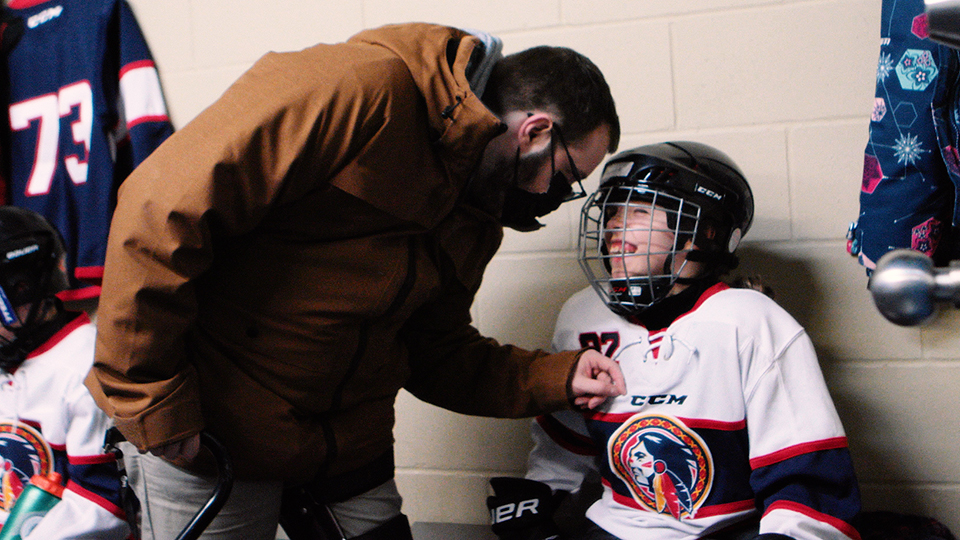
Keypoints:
pixel 170 497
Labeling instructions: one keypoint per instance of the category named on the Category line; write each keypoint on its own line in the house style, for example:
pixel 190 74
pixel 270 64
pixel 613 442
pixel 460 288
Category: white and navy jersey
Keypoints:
pixel 726 415
pixel 49 422
pixel 85 108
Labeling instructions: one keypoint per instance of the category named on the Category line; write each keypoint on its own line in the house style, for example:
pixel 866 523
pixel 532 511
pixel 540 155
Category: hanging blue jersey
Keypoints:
pixel 85 108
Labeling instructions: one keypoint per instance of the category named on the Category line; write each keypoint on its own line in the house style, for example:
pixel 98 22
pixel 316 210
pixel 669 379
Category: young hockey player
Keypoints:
pixel 48 420
pixel 727 430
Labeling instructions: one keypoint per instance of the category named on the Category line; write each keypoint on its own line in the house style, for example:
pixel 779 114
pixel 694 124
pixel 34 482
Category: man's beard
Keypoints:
pixel 486 191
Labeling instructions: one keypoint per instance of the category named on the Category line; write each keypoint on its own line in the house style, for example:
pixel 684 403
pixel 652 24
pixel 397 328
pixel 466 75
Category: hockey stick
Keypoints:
pixel 221 490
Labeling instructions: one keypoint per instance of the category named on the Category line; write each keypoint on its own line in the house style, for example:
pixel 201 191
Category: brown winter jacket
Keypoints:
pixel 291 258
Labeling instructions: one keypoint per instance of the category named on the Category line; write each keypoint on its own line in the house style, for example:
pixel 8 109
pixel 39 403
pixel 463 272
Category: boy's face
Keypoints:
pixel 640 241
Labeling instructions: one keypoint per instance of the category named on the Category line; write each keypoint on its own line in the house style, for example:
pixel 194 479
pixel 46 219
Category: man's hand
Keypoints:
pixel 183 450
pixel 594 379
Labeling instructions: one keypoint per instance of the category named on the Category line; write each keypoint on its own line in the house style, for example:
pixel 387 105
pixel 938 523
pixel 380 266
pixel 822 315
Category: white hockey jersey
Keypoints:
pixel 726 415
pixel 49 422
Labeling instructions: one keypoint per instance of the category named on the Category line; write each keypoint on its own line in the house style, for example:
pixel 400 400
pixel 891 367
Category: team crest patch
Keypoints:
pixel 666 466
pixel 24 453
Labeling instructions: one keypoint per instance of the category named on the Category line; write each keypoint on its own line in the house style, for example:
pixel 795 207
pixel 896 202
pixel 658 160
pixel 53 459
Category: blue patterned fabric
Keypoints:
pixel 910 172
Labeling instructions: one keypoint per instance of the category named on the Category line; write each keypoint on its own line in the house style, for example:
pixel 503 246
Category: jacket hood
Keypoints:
pixel 438 58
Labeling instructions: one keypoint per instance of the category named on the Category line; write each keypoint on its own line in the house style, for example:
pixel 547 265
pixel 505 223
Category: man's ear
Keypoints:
pixel 534 132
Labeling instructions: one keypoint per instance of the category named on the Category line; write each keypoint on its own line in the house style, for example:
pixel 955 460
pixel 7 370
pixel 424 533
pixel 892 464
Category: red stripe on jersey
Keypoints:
pixel 693 423
pixel 568 439
pixel 136 65
pixel 92 460
pixel 84 293
pixel 88 273
pixel 145 119
pixel 79 321
pixel 96 499
pixel 834 522
pixel 24 4
pixel 704 511
pixel 798 450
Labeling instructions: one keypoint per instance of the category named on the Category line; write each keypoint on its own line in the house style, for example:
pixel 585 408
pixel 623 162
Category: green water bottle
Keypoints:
pixel 34 502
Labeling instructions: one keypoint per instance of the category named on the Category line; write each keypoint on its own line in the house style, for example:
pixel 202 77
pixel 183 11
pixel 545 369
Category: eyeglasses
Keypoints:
pixel 559 177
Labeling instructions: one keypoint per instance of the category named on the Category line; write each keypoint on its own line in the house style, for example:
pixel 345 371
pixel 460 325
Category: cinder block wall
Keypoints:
pixel 784 86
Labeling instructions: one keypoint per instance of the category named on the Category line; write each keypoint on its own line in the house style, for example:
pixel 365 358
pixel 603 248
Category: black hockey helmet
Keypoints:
pixel 708 203
pixel 31 262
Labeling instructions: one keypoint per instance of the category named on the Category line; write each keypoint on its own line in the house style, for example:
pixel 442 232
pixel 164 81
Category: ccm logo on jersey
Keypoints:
pixel 663 399
pixel 510 511
pixel 46 15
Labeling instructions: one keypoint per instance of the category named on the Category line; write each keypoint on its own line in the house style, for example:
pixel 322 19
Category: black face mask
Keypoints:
pixel 522 208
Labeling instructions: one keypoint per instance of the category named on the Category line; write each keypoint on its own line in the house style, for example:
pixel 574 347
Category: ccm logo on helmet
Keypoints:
pixel 709 193
pixel 510 511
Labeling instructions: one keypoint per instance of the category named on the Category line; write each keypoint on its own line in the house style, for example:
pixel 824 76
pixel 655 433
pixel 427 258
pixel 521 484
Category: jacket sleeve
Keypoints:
pixel 803 475
pixel 277 133
pixel 454 367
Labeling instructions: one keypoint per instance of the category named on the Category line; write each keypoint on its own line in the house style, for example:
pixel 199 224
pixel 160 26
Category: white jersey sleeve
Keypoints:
pixel 563 454
pixel 77 517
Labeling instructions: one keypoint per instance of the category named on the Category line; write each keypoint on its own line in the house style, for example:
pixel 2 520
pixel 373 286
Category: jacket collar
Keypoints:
pixel 438 58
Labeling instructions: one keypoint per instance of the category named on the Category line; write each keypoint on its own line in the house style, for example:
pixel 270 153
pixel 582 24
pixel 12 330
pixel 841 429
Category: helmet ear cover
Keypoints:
pixel 712 251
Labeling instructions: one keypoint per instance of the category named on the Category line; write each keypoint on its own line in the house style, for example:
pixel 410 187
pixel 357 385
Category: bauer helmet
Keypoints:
pixel 31 263
pixel 708 206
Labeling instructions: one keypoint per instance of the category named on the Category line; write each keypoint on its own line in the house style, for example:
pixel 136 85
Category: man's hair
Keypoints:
pixel 558 80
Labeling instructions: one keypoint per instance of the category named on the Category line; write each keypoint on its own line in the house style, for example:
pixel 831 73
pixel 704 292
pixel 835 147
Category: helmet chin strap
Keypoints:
pixel 660 314
pixel 713 260
pixel 714 265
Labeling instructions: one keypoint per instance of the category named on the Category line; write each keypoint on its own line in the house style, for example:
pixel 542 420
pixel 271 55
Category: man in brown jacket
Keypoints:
pixel 312 242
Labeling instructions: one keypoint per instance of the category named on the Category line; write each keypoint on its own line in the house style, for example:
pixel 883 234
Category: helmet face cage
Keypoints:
pixel 707 202
pixel 604 220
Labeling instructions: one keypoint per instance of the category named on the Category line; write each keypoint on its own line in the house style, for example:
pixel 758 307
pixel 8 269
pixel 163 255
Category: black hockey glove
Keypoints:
pixel 522 509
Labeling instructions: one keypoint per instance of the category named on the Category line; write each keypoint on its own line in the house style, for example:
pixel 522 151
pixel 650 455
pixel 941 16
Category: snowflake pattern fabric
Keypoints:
pixel 910 167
